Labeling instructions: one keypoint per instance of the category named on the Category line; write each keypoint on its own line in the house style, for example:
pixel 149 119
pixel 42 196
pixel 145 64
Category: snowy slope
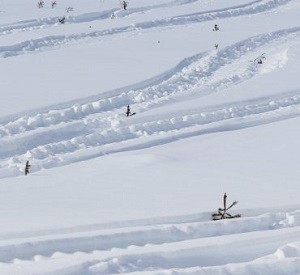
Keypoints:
pixel 107 194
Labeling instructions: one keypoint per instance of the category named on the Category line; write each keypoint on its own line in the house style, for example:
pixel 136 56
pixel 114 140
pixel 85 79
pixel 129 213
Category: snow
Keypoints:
pixel 107 194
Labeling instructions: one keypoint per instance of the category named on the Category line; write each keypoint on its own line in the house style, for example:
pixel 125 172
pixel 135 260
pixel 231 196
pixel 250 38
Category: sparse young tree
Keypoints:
pixel 259 60
pixel 222 212
pixel 27 167
pixel 53 4
pixel 216 28
pixel 41 4
pixel 62 20
pixel 124 5
pixel 128 112
pixel 69 9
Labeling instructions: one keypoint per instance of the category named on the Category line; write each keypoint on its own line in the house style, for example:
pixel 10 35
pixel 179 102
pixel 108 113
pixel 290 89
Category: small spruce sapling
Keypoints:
pixel 216 28
pixel 62 20
pixel 27 167
pixel 259 60
pixel 41 4
pixel 222 212
pixel 124 5
pixel 128 112
pixel 69 9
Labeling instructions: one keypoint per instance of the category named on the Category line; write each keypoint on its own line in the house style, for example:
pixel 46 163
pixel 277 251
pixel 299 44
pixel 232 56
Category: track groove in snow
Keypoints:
pixel 274 266
pixel 196 253
pixel 183 256
pixel 26 248
pixel 34 24
pixel 30 25
pixel 49 138
pixel 192 73
pixel 51 42
pixel 45 156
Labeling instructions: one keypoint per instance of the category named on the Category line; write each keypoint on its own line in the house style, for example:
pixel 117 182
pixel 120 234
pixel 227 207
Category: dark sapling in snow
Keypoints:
pixel 41 4
pixel 128 111
pixel 69 9
pixel 124 5
pixel 53 4
pixel 27 167
pixel 259 60
pixel 216 28
pixel 222 212
pixel 62 20
pixel 216 46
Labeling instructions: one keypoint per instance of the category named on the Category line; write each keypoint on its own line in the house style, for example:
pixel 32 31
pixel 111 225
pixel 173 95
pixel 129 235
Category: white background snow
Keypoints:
pixel 107 194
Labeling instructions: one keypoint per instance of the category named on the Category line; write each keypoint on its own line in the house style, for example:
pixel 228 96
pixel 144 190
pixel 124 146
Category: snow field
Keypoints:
pixel 107 194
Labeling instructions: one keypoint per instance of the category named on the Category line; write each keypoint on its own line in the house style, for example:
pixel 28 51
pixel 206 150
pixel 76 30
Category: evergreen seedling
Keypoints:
pixel 27 167
pixel 124 5
pixel 222 212
pixel 62 20
pixel 41 4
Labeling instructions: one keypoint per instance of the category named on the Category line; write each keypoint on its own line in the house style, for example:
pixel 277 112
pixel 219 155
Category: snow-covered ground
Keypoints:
pixel 110 194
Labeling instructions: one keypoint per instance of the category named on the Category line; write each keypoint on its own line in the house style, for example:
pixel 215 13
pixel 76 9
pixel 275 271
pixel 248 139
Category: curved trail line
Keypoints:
pixel 194 251
pixel 192 73
pixel 153 133
pixel 29 25
pixel 49 138
pixel 285 260
pixel 198 252
pixel 159 234
pixel 50 42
